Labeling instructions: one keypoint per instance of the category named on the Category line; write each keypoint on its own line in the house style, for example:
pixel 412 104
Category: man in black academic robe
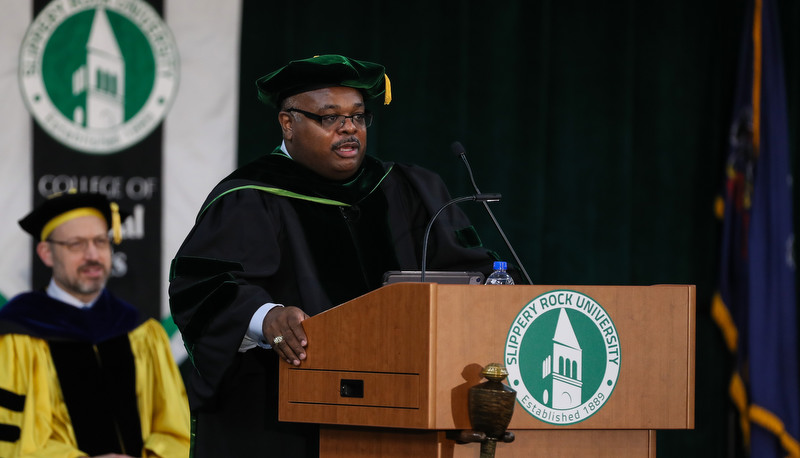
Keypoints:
pixel 296 232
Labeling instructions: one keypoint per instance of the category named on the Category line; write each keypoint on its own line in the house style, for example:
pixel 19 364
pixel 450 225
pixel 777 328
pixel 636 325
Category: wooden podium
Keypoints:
pixel 388 373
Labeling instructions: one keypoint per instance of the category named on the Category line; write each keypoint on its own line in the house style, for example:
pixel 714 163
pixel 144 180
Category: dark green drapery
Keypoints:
pixel 603 124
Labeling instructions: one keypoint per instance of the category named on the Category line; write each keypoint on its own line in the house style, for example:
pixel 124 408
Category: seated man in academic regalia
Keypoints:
pixel 82 373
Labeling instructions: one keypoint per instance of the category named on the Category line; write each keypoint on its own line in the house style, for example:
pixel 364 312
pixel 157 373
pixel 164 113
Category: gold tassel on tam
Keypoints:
pixel 116 223
pixel 387 96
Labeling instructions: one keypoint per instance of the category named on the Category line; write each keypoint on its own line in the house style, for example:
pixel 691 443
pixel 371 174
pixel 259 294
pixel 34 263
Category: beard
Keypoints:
pixel 79 284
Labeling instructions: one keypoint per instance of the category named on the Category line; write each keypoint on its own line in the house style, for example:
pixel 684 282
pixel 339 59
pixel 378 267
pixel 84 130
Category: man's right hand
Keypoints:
pixel 285 325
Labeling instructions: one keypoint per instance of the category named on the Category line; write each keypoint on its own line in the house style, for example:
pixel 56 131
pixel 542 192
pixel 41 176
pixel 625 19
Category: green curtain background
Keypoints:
pixel 603 124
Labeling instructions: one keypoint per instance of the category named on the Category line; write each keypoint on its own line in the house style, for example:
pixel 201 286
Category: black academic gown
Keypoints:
pixel 275 232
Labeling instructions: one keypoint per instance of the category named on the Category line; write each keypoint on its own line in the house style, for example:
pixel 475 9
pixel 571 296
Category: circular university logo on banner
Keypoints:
pixel 563 357
pixel 98 75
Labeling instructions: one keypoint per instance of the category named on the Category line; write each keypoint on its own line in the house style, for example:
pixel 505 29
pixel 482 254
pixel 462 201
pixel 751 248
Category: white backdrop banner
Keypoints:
pixel 149 77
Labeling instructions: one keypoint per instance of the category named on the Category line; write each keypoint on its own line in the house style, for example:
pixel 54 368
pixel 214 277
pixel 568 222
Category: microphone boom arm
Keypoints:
pixel 479 197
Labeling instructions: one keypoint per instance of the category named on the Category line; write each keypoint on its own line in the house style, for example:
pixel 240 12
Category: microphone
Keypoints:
pixel 476 197
pixel 459 150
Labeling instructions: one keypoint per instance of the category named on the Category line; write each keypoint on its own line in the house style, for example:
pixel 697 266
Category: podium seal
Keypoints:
pixel 563 357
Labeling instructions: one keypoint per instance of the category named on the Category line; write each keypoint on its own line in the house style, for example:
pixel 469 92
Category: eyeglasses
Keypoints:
pixel 334 121
pixel 80 245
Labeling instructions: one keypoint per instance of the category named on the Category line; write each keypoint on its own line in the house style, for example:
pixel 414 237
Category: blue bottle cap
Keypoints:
pixel 500 265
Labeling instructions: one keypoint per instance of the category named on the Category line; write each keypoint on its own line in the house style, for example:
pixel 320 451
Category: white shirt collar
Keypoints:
pixel 56 292
pixel 283 148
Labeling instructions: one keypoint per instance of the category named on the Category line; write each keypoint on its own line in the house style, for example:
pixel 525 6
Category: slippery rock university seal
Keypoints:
pixel 563 357
pixel 98 75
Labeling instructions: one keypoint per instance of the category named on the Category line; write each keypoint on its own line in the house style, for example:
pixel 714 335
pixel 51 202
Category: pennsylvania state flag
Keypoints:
pixel 756 304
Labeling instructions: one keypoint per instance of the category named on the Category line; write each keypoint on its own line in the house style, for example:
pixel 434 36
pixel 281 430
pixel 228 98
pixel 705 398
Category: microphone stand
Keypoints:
pixel 459 149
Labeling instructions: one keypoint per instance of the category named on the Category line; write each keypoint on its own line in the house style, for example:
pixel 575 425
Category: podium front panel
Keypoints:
pixel 405 356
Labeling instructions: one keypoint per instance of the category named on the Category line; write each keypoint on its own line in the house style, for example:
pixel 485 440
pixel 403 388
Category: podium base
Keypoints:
pixel 354 442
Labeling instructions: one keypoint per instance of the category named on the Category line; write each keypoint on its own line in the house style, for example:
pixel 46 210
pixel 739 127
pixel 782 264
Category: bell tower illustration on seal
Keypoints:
pixel 563 369
pixel 102 78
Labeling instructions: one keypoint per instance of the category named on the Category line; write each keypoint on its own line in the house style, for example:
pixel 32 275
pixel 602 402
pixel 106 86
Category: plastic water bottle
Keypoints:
pixel 500 276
